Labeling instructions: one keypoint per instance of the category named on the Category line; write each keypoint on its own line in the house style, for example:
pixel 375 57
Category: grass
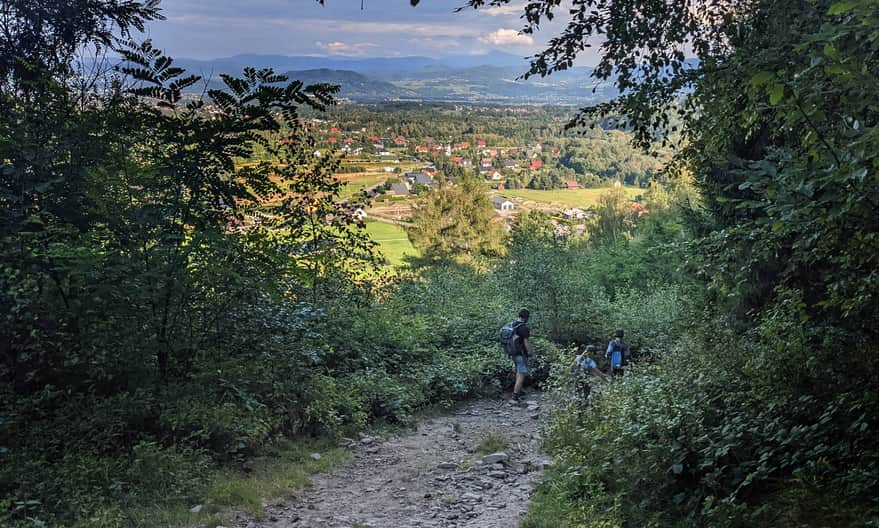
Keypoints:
pixel 280 471
pixel 362 180
pixel 568 198
pixel 392 240
pixel 553 505
pixel 492 442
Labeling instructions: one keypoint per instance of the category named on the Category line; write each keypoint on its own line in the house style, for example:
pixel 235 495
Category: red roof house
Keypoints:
pixel 536 164
pixel 572 184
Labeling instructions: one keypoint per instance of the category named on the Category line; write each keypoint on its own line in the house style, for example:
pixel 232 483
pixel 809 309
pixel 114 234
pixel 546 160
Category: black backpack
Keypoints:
pixel 509 338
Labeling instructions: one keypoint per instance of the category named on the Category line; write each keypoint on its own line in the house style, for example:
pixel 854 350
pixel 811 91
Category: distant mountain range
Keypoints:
pixel 466 78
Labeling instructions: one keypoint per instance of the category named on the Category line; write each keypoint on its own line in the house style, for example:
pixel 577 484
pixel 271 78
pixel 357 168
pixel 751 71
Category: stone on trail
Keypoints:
pixel 497 474
pixel 315 456
pixel 447 465
pixel 494 458
pixel 535 416
pixel 472 497
pixel 196 509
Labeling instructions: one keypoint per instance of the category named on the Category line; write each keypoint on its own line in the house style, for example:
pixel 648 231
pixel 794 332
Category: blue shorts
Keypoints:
pixel 521 364
pixel 616 359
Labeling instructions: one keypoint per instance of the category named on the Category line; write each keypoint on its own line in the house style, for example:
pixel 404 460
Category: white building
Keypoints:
pixel 502 204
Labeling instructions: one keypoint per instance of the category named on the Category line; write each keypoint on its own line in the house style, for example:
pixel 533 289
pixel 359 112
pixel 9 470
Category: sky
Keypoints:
pixel 205 29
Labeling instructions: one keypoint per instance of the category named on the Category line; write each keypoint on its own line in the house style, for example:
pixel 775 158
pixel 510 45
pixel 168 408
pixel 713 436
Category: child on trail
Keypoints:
pixel 583 365
pixel 617 350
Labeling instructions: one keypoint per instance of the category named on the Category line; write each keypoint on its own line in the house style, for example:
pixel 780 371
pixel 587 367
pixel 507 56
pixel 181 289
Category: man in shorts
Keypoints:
pixel 522 349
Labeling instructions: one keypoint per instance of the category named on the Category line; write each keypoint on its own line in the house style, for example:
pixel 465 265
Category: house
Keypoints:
pixel 574 214
pixel 480 143
pixel 494 174
pixel 536 164
pixel 502 204
pixel 332 139
pixel 466 163
pixel 421 149
pixel 399 141
pixel 638 209
pixel 485 163
pixel 399 189
pixel 572 184
pixel 457 159
pixel 388 169
pixel 429 170
pixel 462 145
pixel 374 139
pixel 335 130
pixel 511 164
pixel 347 141
pixel 423 179
pixel 412 177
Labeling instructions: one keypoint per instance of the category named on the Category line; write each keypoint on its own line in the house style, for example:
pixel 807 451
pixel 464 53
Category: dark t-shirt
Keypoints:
pixel 523 332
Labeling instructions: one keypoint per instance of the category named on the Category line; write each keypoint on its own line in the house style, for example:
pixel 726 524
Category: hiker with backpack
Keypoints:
pixel 515 340
pixel 617 351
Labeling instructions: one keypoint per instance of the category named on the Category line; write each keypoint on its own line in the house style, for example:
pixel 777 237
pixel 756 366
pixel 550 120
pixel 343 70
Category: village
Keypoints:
pixel 391 171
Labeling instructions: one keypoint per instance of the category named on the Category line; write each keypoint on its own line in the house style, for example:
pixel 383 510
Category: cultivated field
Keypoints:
pixel 582 198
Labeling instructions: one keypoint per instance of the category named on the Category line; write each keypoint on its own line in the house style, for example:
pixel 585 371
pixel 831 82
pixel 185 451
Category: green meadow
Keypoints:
pixel 392 240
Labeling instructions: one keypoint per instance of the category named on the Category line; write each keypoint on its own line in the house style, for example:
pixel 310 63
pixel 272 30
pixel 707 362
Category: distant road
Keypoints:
pixel 373 216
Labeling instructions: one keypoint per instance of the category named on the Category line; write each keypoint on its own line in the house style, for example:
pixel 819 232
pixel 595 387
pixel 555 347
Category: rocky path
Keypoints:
pixel 431 477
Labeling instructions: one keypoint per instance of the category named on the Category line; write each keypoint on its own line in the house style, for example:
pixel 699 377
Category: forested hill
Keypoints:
pixel 355 86
pixel 479 78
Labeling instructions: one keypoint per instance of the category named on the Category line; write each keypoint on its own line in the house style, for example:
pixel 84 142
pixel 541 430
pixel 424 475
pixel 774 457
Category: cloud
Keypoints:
pixel 338 47
pixel 504 10
pixel 507 37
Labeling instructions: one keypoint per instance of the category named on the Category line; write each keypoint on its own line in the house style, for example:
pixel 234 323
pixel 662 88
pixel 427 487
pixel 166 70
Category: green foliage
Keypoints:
pixel 754 411
pixel 170 313
pixel 456 220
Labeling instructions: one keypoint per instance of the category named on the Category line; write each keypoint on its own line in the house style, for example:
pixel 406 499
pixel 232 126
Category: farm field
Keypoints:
pixel 354 183
pixel 565 198
pixel 392 241
pixel 374 175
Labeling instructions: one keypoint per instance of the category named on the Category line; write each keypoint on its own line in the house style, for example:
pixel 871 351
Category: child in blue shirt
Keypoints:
pixel 585 364
pixel 617 350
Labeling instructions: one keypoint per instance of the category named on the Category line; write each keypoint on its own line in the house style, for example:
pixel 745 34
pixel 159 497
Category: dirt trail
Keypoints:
pixel 430 477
